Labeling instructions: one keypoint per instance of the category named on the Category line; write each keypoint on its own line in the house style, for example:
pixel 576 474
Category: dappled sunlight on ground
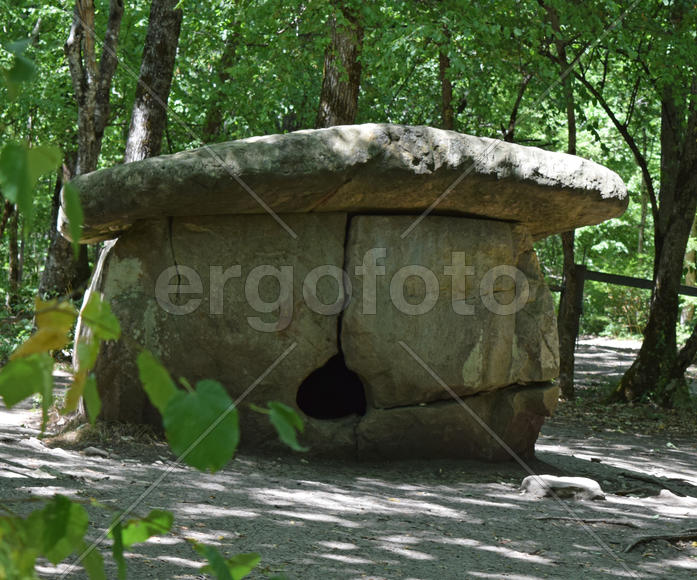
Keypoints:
pixel 312 518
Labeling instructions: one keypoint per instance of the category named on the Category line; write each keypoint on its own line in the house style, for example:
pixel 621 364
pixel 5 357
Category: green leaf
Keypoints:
pixel 137 530
pixel 20 168
pixel 73 211
pixel 234 568
pixel 93 562
pixel 59 528
pixel 87 351
pixel 22 377
pixel 22 71
pixel 216 562
pixel 242 564
pixel 92 400
pixel 117 549
pixel 14 177
pixel 97 316
pixel 285 420
pixel 202 427
pixel 156 380
pixel 54 320
pixel 42 159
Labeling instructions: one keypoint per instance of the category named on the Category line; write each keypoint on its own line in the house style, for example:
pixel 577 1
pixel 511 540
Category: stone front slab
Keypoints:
pixel 218 329
pixel 478 328
pixel 373 168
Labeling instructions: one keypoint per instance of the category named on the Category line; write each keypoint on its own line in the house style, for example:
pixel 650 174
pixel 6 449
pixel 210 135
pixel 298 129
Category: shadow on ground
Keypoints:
pixel 411 519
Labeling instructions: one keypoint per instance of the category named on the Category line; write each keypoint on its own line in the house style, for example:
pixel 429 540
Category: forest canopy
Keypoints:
pixel 610 81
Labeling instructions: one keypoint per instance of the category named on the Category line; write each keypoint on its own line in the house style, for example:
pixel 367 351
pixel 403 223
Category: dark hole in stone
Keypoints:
pixel 332 391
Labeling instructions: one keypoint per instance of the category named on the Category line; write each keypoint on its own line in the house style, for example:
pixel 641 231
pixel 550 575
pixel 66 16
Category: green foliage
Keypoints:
pixel 135 531
pixel 98 317
pixel 234 568
pixel 202 427
pixel 22 377
pixel 157 383
pixel 74 214
pixel 286 421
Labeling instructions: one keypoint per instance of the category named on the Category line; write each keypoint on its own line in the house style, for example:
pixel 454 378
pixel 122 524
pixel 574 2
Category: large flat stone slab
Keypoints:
pixel 447 293
pixel 357 169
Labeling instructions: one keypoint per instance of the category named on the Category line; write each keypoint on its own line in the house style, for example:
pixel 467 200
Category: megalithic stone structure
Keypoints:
pixel 395 262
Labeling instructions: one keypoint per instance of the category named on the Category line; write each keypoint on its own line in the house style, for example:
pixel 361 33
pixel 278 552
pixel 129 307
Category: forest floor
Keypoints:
pixel 319 519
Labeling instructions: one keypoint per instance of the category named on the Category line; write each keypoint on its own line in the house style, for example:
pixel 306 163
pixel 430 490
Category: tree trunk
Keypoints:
pixel 149 116
pixel 13 261
pixel 568 318
pixel 62 274
pixel 7 211
pixel 569 310
pixel 338 103
pixel 213 125
pixel 642 222
pixel 92 86
pixel 509 132
pixel 446 87
pixel 688 311
pixel 659 369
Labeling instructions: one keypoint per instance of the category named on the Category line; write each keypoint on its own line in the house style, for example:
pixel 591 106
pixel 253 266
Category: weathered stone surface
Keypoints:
pixel 581 488
pixel 456 343
pixel 359 169
pixel 220 331
pixel 486 347
pixel 449 429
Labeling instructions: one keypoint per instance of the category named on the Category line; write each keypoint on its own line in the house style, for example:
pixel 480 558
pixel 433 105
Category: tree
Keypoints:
pixel 149 116
pixel 569 312
pixel 92 87
pixel 654 52
pixel 338 103
pixel 446 84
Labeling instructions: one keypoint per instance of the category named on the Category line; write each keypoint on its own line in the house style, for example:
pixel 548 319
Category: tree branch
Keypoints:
pixel 107 65
pixel 509 132
pixel 626 135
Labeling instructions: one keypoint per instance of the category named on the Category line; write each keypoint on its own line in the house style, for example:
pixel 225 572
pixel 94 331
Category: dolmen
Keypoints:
pixel 379 279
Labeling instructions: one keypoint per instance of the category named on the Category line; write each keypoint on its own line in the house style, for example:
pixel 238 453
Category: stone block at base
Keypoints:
pixel 450 429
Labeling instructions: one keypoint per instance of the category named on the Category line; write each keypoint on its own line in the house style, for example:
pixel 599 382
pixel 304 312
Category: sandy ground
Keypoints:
pixel 411 519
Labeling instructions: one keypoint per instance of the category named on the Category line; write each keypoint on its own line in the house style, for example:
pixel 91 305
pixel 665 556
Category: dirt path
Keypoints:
pixel 416 519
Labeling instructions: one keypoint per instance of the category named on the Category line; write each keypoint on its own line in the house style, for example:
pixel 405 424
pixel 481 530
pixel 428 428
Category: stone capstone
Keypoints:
pixel 372 168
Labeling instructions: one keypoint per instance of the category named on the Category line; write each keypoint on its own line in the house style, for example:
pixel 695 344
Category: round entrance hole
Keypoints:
pixel 332 391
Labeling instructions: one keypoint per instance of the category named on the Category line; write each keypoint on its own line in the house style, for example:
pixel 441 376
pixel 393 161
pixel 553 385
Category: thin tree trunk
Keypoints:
pixel 688 311
pixel 13 261
pixel 338 104
pixel 92 82
pixel 569 311
pixel 642 221
pixel 446 87
pixel 7 212
pixel 509 132
pixel 63 274
pixel 213 125
pixel 149 116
